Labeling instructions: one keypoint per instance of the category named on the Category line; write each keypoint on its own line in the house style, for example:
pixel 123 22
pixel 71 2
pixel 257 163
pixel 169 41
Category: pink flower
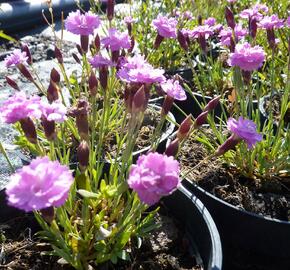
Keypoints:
pixel 82 24
pixel 41 184
pixel 173 89
pixel 99 61
pixel 246 57
pixel 136 69
pixel 116 40
pixel 166 27
pixel 226 34
pixel 129 20
pixel 19 107
pixel 210 21
pixel 245 130
pixel 288 21
pixel 201 31
pixel 17 57
pixel 271 22
pixel 254 12
pixel 154 176
pixel 187 15
pixel 55 111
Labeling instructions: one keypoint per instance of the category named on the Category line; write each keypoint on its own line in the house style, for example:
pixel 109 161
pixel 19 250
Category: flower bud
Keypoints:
pixel 110 9
pixel 79 49
pixel 55 76
pixel 103 77
pixel 25 49
pixel 52 92
pixel 139 101
pixel 29 130
pixel 115 56
pixel 230 18
pixel 202 43
pixel 49 128
pixel 97 43
pixel 172 148
pixel 58 55
pixel 232 46
pixel 212 104
pixel 48 214
pixel 12 83
pixel 271 38
pixel 93 84
pixel 182 40
pixel 158 41
pixel 25 72
pixel 253 27
pixel 76 58
pixel 85 43
pixel 83 153
pixel 200 119
pixel 199 20
pixel 229 144
pixel 167 104
pixel 184 128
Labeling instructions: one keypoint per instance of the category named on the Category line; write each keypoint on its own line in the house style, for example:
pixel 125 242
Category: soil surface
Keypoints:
pixel 166 248
pixel 270 198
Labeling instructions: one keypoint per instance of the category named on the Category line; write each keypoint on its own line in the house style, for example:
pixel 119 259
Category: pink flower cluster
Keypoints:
pixel 165 26
pixel 244 129
pixel 201 31
pixel 19 107
pixel 137 70
pixel 17 57
pixel 247 57
pixel 155 175
pixel 99 61
pixel 254 12
pixel 41 184
pixel 116 40
pixel 82 24
pixel 173 89
pixel 271 22
pixel 226 34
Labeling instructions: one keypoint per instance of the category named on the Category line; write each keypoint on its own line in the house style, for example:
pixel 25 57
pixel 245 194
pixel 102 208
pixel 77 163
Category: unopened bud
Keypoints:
pixel 12 83
pixel 212 104
pixel 139 101
pixel 172 148
pixel 85 43
pixel 81 115
pixel 58 55
pixel 167 104
pixel 25 72
pixel 29 130
pixel 76 58
pixel 184 128
pixel 271 38
pixel 25 49
pixel 110 9
pixel 48 214
pixel 229 144
pixel 158 41
pixel 55 76
pixel 97 43
pixel 182 40
pixel 79 49
pixel 200 120
pixel 49 128
pixel 93 84
pixel 52 92
pixel 253 27
pixel 230 18
pixel 115 56
pixel 199 20
pixel 83 153
pixel 103 77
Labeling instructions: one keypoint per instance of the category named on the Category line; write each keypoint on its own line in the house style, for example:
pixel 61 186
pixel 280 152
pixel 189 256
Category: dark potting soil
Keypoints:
pixel 275 102
pixel 269 198
pixel 166 248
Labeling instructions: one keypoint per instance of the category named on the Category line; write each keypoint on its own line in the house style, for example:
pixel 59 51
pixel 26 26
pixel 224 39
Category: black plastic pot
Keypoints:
pixel 198 224
pixel 250 241
pixel 19 15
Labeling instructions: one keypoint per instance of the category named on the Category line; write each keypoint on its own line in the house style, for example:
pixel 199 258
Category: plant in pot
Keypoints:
pixel 239 168
pixel 95 215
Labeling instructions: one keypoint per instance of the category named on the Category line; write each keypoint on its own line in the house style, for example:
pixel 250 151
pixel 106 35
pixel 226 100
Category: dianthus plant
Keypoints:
pixel 87 196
